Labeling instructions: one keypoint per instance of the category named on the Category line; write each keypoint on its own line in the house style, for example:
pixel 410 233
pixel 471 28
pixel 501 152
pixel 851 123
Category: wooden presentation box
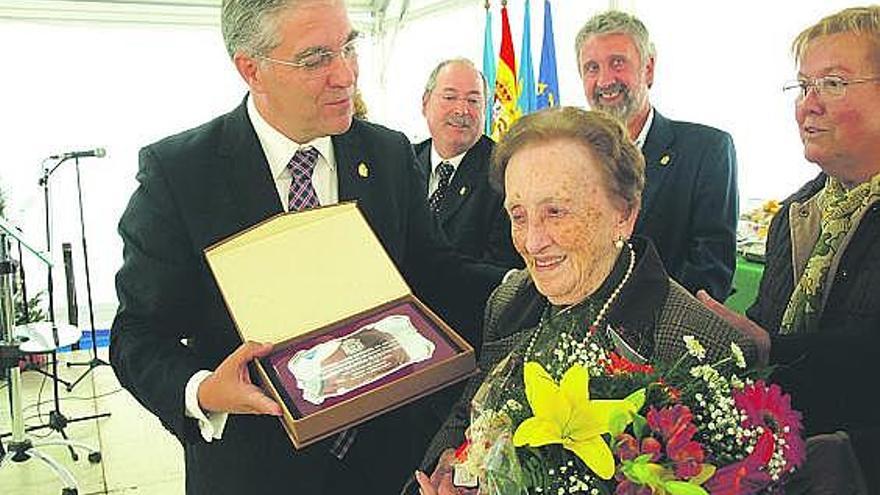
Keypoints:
pixel 351 340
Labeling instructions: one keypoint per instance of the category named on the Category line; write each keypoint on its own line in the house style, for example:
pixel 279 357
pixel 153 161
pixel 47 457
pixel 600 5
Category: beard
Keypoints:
pixel 625 108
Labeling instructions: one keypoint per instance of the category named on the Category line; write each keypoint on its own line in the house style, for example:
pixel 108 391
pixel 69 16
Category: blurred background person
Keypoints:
pixel 690 203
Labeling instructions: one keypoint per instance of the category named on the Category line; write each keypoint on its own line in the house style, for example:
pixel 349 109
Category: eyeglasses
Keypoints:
pixel 472 101
pixel 828 86
pixel 317 60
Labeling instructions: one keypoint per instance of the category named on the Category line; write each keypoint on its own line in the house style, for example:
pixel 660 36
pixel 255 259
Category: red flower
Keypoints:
pixel 767 406
pixel 627 448
pixel 746 476
pixel 677 431
pixel 673 393
pixel 650 445
pixel 619 365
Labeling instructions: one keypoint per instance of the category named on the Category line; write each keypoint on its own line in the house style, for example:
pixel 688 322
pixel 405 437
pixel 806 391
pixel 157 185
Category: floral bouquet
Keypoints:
pixel 593 418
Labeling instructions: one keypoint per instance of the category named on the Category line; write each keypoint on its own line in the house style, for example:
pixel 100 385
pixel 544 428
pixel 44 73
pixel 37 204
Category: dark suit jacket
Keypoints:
pixel 690 204
pixel 203 185
pixel 473 220
pixel 472 215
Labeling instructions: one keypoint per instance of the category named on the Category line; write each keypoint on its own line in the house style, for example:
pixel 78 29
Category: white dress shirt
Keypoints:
pixel 643 134
pixel 436 160
pixel 279 149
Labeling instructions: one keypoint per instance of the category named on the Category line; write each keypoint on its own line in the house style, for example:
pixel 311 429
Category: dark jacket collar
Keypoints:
pixel 240 153
pixel 658 140
pixel 471 172
pixel 809 189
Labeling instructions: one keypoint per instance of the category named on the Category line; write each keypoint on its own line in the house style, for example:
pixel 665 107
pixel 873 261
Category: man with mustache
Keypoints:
pixel 290 145
pixel 454 165
pixel 690 204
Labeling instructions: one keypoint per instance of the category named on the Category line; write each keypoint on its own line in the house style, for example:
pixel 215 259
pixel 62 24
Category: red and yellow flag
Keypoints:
pixel 505 110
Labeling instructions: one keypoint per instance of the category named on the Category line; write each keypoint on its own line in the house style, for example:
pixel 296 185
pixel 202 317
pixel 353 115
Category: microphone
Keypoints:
pixel 96 153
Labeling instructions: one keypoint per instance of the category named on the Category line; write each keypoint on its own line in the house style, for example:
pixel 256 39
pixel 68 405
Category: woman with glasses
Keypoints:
pixel 820 293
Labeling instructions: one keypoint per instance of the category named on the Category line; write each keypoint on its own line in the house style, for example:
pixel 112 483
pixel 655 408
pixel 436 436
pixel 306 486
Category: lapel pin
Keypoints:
pixel 462 191
pixel 664 160
pixel 363 170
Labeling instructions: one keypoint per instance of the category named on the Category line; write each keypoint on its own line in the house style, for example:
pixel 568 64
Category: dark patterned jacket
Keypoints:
pixel 830 374
pixel 656 311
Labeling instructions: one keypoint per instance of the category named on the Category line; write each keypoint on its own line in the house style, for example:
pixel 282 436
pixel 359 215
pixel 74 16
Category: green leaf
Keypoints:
pixel 683 488
pixel 639 425
pixel 642 472
pixel 618 422
pixel 637 398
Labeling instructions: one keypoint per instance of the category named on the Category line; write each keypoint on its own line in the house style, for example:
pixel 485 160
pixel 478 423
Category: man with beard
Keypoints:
pixel 290 145
pixel 690 204
pixel 453 166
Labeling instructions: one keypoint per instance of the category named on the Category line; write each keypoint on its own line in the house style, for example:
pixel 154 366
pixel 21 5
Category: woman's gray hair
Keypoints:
pixel 620 161
pixel 251 26
pixel 616 22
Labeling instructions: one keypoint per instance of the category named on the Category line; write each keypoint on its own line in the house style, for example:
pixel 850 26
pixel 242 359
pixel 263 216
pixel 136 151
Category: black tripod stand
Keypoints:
pixel 95 361
pixel 21 448
pixel 57 420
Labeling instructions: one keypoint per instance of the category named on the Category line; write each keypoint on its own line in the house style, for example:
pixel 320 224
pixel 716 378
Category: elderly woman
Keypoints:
pixel 572 182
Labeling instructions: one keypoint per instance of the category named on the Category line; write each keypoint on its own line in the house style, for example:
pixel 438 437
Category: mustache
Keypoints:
pixel 610 89
pixel 462 120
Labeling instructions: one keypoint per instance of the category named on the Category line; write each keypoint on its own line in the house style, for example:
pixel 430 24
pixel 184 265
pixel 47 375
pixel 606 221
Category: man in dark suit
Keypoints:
pixel 690 203
pixel 454 170
pixel 198 187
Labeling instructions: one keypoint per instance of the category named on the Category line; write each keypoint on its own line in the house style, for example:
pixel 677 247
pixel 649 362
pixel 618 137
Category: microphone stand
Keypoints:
pixel 57 420
pixel 95 361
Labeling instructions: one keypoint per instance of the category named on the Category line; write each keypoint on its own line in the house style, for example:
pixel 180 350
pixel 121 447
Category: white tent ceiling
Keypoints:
pixel 374 16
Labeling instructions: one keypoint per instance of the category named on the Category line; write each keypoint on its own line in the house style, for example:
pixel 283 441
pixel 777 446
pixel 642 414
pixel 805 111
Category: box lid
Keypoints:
pixel 297 272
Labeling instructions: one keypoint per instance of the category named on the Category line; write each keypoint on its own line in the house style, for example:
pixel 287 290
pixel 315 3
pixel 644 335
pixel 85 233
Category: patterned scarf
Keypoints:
pixel 839 208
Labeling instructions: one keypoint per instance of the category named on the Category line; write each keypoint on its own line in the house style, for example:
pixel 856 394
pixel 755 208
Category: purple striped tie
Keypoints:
pixel 301 195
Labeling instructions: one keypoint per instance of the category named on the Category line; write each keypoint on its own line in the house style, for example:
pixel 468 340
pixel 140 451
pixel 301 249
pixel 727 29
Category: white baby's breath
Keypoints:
pixel 738 356
pixel 694 347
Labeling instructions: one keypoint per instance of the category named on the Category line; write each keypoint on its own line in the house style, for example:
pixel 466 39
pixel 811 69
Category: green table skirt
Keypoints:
pixel 746 280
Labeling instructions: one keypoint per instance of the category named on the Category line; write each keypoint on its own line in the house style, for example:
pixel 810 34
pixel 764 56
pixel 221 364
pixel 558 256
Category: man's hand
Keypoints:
pixel 746 326
pixel 229 388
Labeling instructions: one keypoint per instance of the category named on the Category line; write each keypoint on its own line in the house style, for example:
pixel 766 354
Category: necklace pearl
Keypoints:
pixel 602 311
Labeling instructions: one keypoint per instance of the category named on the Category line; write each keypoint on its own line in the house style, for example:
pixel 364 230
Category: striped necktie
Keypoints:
pixel 301 195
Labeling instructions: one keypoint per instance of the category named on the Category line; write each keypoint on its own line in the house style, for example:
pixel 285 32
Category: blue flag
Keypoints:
pixel 548 84
pixel 527 102
pixel 489 70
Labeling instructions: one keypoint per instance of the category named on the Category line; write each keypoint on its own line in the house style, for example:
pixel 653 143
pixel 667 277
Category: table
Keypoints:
pixel 746 280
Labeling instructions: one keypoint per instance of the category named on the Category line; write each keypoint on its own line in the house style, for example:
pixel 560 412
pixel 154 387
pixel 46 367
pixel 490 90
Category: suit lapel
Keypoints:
pixel 353 169
pixel 250 185
pixel 659 158
pixel 423 158
pixel 465 179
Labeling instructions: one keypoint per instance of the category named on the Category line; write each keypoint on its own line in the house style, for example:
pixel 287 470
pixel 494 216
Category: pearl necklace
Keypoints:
pixel 602 311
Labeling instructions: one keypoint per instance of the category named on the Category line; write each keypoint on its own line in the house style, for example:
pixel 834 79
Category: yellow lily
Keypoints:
pixel 565 414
